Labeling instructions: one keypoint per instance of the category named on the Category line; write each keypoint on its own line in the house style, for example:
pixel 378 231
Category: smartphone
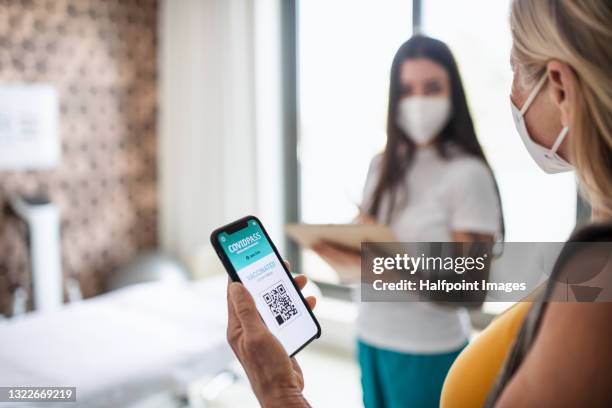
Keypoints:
pixel 250 257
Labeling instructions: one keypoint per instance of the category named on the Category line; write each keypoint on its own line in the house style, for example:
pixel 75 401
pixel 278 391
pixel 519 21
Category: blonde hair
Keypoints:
pixel 579 33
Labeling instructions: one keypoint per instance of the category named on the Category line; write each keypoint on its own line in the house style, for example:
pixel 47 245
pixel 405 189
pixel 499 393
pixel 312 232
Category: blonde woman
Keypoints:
pixel 547 354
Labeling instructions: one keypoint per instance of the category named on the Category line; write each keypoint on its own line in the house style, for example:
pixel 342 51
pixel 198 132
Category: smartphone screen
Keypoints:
pixel 250 257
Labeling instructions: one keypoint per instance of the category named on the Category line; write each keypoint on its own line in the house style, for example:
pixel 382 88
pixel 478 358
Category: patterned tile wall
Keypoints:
pixel 102 57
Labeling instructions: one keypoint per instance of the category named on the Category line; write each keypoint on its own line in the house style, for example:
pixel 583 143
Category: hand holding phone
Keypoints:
pixel 276 378
pixel 250 257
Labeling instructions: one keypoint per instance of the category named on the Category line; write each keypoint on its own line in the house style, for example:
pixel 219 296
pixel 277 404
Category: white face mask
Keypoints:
pixel 547 159
pixel 423 117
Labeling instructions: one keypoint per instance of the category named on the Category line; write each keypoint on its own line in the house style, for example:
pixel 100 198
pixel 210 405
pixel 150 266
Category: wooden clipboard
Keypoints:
pixel 349 236
pixel 346 236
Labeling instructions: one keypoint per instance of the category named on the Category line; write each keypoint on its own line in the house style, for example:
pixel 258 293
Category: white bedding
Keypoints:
pixel 118 347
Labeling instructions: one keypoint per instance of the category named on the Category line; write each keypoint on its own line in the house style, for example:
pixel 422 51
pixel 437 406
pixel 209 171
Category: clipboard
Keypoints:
pixel 349 236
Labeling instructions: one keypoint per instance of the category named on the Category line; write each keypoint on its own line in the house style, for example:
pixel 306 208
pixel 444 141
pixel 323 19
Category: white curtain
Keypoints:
pixel 219 130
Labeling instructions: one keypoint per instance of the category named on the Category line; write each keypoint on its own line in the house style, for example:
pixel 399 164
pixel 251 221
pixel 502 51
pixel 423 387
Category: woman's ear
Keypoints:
pixel 562 84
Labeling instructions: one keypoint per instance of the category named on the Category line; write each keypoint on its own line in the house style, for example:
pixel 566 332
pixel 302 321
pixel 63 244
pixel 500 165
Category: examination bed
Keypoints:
pixel 119 347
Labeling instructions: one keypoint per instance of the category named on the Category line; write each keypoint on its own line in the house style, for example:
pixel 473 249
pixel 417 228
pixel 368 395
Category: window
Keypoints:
pixel 537 206
pixel 345 53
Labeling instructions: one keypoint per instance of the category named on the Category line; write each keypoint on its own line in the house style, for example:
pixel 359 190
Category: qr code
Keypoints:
pixel 280 303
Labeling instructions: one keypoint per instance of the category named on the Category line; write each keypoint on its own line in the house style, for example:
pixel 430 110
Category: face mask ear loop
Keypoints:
pixel 533 94
pixel 559 140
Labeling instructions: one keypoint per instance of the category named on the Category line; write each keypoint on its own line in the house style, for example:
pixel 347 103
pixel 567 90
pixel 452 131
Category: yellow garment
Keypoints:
pixel 473 373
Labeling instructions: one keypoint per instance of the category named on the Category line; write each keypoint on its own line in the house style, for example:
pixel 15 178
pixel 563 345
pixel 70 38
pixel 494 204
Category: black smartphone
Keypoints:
pixel 250 257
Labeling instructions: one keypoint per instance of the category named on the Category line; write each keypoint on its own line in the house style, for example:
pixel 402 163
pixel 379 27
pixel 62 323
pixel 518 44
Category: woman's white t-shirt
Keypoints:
pixel 443 195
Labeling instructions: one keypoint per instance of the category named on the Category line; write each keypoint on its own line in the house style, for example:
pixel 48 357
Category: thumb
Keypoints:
pixel 244 307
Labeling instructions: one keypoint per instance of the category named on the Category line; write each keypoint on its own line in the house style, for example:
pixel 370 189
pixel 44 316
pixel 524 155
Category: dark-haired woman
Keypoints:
pixel 432 183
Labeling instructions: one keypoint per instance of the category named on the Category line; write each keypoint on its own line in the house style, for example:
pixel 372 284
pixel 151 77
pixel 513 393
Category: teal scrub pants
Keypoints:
pixel 391 379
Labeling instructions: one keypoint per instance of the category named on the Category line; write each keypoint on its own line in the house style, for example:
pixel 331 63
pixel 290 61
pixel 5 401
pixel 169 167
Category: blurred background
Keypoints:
pixel 129 129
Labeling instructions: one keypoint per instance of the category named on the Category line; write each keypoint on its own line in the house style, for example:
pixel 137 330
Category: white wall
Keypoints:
pixel 219 128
